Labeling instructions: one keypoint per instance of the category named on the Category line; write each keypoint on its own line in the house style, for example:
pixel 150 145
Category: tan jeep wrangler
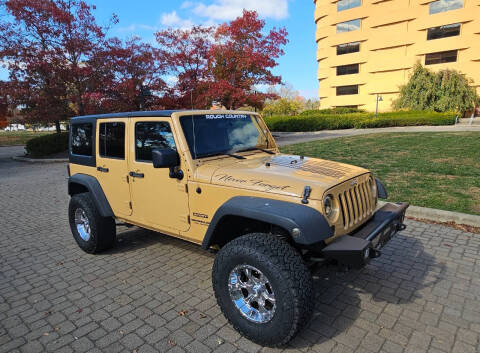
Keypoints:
pixel 218 180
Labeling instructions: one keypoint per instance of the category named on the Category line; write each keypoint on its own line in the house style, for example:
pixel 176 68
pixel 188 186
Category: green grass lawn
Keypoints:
pixel 436 170
pixel 11 138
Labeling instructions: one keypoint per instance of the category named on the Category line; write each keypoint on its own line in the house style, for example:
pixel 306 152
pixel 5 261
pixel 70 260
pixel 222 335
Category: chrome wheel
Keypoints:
pixel 82 224
pixel 252 293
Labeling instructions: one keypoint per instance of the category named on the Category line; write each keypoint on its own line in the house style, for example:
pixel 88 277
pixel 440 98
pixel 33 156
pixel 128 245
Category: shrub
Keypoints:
pixel 332 111
pixel 316 121
pixel 47 144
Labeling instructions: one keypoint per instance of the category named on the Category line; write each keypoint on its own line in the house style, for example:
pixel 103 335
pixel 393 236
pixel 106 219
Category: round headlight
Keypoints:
pixel 328 205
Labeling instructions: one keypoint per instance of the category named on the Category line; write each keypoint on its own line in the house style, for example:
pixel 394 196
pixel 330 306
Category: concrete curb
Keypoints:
pixel 431 214
pixel 31 160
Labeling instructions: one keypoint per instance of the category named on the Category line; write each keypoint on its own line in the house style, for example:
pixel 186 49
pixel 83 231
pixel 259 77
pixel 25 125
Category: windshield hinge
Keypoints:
pixel 306 194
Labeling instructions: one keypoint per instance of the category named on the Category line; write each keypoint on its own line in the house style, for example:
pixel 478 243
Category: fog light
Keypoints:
pixel 366 253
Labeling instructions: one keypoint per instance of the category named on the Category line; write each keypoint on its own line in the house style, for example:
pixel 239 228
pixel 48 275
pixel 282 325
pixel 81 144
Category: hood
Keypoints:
pixel 280 174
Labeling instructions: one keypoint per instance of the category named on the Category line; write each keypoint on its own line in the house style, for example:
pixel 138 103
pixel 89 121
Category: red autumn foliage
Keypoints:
pixel 62 64
pixel 50 49
pixel 224 64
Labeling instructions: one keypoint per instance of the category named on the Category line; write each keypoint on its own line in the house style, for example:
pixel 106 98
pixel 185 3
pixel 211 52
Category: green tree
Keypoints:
pixel 446 90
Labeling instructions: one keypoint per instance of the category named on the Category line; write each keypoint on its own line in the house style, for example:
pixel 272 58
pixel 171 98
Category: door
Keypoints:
pixel 158 201
pixel 112 166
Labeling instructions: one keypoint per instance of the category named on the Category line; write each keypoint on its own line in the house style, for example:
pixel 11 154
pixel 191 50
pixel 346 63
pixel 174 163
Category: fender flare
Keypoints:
pixel 96 192
pixel 312 224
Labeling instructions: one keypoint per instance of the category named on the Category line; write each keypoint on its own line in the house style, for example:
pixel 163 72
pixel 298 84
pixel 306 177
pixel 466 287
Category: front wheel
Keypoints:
pixel 263 288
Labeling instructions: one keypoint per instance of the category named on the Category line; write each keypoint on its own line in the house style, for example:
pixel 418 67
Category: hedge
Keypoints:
pixel 317 120
pixel 48 144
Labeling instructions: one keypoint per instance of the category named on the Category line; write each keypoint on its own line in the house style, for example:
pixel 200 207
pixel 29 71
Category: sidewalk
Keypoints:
pixel 289 138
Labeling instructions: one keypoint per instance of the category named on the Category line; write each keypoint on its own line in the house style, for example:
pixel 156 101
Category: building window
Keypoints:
pixel 443 31
pixel 348 26
pixel 347 90
pixel 112 140
pixel 348 48
pixel 441 57
pixel 81 139
pixel 347 69
pixel 445 5
pixel 152 135
pixel 348 4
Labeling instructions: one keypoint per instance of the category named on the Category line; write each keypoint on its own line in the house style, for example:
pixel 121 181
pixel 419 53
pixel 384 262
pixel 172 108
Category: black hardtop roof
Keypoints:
pixel 160 113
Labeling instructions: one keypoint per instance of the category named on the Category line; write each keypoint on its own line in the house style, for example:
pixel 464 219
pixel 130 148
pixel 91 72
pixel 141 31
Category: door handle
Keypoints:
pixel 137 175
pixel 103 170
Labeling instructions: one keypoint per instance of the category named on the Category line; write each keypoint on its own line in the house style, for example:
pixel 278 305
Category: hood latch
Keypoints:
pixel 306 194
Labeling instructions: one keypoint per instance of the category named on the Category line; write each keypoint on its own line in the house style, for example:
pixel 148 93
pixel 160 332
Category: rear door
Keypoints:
pixel 112 165
pixel 158 200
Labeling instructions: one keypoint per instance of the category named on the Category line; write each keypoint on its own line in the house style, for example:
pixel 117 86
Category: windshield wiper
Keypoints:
pixel 222 154
pixel 256 148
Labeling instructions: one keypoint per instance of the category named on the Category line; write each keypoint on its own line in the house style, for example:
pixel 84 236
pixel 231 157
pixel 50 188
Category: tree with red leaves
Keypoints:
pixel 185 52
pixel 135 80
pixel 223 64
pixel 50 47
pixel 242 58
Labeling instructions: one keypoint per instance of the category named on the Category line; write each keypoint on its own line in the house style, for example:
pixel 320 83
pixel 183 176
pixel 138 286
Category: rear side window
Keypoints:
pixel 82 141
pixel 151 135
pixel 112 140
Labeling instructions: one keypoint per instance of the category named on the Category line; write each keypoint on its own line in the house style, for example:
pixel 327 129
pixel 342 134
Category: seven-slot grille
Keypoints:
pixel 356 203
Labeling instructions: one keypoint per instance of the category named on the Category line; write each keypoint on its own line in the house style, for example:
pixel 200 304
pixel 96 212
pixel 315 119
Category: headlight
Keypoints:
pixel 328 206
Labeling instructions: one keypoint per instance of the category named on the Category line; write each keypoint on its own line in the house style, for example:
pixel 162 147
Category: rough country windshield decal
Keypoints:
pixel 217 134
pixel 226 116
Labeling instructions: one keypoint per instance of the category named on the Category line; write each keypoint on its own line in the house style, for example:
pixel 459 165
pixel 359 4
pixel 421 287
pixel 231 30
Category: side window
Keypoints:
pixel 112 140
pixel 82 139
pixel 151 135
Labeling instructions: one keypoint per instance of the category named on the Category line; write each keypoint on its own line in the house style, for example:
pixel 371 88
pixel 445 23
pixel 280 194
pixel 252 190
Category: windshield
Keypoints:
pixel 214 134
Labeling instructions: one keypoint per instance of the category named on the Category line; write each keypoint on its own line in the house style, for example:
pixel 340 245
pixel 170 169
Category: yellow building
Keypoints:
pixel 367 48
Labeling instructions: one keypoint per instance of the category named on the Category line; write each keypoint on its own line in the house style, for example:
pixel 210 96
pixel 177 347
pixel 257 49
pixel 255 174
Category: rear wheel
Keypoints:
pixel 92 232
pixel 263 288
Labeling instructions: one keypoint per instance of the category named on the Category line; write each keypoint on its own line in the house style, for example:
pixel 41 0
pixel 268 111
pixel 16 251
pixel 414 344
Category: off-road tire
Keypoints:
pixel 291 281
pixel 103 229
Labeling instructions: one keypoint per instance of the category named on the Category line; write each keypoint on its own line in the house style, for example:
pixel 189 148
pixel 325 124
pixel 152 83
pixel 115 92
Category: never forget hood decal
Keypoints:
pixel 258 183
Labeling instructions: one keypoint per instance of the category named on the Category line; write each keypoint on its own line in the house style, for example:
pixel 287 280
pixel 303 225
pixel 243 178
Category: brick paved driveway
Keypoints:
pixel 153 293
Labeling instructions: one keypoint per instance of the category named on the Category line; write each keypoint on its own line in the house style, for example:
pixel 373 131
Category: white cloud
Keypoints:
pixel 172 19
pixel 224 10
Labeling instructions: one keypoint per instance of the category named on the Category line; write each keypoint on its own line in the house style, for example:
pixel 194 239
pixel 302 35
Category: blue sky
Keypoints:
pixel 143 17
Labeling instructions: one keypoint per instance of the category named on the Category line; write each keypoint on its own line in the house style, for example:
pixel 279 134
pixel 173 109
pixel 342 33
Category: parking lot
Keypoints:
pixel 153 293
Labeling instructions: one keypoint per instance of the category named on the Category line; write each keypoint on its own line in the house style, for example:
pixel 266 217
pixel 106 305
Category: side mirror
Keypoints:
pixel 165 158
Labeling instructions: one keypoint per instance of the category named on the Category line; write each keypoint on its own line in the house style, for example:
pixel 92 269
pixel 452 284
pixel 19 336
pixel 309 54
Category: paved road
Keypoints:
pixel 288 138
pixel 153 293
pixel 11 151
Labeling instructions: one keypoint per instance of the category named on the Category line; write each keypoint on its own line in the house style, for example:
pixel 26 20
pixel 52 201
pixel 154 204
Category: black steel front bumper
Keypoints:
pixel 357 248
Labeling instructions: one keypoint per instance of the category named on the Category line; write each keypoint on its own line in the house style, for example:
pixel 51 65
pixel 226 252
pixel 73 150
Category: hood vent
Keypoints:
pixel 328 168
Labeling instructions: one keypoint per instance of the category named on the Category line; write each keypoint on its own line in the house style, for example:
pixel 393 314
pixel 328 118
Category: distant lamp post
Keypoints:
pixel 379 99
pixel 144 92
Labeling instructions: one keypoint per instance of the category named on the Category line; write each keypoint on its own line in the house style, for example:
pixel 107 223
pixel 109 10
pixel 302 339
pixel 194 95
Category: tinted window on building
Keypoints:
pixel 82 141
pixel 347 90
pixel 348 48
pixel 112 140
pixel 441 57
pixel 152 135
pixel 348 26
pixel 443 31
pixel 348 4
pixel 445 5
pixel 347 69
